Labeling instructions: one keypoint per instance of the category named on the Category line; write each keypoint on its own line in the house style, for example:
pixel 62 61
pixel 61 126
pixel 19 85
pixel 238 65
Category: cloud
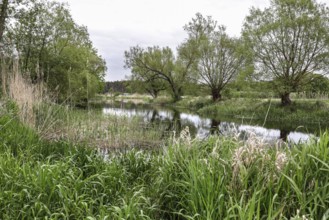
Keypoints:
pixel 116 25
pixel 111 45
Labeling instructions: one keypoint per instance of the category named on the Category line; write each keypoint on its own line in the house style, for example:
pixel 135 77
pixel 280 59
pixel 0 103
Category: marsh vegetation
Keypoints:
pixel 62 157
pixel 220 178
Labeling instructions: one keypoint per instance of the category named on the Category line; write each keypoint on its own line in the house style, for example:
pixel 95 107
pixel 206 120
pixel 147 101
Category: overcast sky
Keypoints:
pixel 117 25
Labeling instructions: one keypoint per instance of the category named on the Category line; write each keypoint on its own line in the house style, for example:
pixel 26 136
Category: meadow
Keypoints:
pixel 62 159
pixel 58 162
pixel 217 178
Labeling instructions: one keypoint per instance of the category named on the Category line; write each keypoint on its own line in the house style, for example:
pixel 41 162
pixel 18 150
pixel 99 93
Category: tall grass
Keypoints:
pixel 35 107
pixel 29 100
pixel 25 95
pixel 220 178
pixel 48 170
pixel 94 128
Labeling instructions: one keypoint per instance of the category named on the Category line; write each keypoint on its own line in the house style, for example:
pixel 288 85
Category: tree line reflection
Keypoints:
pixel 172 120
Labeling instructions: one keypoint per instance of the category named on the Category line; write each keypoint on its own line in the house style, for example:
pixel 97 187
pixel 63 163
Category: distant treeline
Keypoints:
pixel 319 85
pixel 116 87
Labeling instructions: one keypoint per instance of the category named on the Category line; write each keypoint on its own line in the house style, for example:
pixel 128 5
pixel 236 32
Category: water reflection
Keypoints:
pixel 214 127
pixel 284 134
pixel 173 120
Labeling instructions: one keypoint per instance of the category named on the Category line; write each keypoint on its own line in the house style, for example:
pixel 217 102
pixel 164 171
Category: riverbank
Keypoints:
pixel 217 178
pixel 312 114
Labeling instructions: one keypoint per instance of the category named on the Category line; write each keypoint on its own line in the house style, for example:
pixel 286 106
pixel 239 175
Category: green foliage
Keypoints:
pixel 310 114
pixel 289 40
pixel 218 60
pixel 318 86
pixel 219 178
pixel 117 86
pixel 158 67
pixel 55 50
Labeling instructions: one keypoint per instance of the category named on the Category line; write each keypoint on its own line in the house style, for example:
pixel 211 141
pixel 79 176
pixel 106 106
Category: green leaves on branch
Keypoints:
pixel 285 44
pixel 208 56
pixel 54 49
pixel 219 60
pixel 289 40
pixel 155 65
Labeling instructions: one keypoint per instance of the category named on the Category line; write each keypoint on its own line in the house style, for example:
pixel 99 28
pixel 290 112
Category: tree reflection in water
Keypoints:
pixel 284 135
pixel 214 127
pixel 170 120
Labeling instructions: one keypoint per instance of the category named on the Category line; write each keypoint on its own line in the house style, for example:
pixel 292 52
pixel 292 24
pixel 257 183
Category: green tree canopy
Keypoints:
pixel 219 60
pixel 289 40
pixel 155 63
pixel 54 49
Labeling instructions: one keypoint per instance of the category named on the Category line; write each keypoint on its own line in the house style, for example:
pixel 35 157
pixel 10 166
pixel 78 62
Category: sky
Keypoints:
pixel 116 25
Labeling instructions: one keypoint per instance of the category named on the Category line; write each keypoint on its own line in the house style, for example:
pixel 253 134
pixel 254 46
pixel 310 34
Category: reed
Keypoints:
pixel 217 178
pixel 35 107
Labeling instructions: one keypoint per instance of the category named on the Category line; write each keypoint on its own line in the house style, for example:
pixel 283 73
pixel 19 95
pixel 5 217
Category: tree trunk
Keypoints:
pixel 285 99
pixel 155 94
pixel 284 135
pixel 177 92
pixel 3 73
pixel 214 127
pixel 216 96
pixel 176 97
pixel 3 17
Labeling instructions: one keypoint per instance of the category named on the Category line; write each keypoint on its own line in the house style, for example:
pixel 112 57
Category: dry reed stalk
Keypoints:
pixel 25 94
pixel 256 150
pixel 184 138
pixel 3 76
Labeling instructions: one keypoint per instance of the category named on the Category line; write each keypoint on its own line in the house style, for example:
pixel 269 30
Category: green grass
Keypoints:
pixel 313 114
pixel 218 178
pixel 92 127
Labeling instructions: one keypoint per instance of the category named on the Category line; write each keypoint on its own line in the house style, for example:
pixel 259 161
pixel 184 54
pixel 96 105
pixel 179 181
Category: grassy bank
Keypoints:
pixel 89 126
pixel 302 110
pixel 95 128
pixel 220 178
pixel 310 113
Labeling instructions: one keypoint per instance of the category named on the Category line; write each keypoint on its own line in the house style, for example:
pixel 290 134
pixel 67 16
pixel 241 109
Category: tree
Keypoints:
pixel 7 10
pixel 219 60
pixel 76 74
pixel 151 85
pixel 160 64
pixel 318 85
pixel 290 40
pixel 3 16
pixel 55 50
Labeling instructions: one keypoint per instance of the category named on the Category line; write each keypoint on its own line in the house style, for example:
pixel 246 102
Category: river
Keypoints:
pixel 172 119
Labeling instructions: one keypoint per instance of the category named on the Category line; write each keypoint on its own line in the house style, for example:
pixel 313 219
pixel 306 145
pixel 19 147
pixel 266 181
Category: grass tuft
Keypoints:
pixel 217 178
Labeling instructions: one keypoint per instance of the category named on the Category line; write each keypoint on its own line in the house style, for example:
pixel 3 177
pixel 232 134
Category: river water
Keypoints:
pixel 174 120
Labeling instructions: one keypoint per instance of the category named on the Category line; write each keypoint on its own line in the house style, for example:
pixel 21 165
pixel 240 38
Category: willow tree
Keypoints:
pixel 290 40
pixel 219 60
pixel 151 84
pixel 155 63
